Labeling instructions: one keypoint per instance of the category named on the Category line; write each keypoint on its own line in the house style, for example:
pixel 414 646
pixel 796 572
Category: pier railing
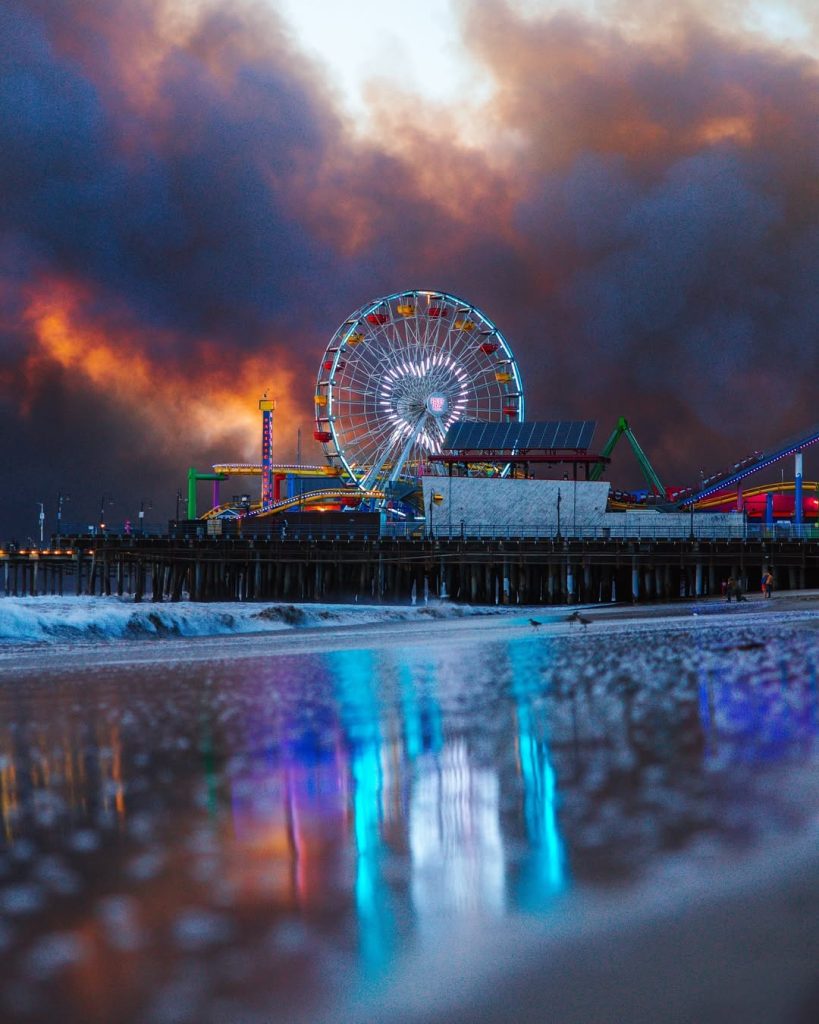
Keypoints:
pixel 664 528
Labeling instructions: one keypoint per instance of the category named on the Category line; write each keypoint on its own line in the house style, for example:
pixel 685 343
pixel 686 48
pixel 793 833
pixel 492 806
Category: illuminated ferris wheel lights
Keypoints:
pixel 415 373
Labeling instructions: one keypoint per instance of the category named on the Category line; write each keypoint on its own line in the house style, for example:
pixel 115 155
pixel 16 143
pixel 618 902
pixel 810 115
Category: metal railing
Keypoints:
pixel 670 528
pixel 665 528
pixel 129 528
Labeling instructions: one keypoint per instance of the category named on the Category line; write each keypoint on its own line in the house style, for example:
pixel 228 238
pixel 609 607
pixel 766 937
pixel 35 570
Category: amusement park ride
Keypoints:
pixel 396 374
pixel 395 377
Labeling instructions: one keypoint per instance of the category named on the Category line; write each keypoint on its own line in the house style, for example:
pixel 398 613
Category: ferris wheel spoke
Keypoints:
pixel 372 443
pixel 364 359
pixel 476 362
pixel 383 459
pixel 438 429
pixel 411 441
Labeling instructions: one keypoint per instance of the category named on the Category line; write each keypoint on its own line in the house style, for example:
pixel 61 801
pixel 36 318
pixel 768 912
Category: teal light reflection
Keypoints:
pixel 544 874
pixel 355 680
pixel 423 730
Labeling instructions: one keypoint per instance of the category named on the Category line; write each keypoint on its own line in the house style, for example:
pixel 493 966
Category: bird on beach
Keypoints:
pixel 577 617
pixel 534 622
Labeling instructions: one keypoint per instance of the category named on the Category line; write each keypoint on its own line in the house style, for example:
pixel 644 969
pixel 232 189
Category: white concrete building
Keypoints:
pixel 493 507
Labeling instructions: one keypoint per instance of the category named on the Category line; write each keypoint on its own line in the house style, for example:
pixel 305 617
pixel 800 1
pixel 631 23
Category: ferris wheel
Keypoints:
pixel 398 372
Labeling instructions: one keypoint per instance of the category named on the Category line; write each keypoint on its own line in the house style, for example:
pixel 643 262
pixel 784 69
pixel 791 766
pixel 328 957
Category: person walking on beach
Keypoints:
pixel 730 589
pixel 768 583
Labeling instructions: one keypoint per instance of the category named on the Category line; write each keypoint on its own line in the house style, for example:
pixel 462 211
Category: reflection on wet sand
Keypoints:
pixel 544 871
pixel 763 717
pixel 291 825
pixel 70 770
pixel 455 838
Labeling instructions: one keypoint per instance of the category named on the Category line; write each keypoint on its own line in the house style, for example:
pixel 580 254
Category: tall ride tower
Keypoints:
pixel 268 406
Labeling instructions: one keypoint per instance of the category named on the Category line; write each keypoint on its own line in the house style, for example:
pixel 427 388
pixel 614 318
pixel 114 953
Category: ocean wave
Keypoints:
pixel 27 620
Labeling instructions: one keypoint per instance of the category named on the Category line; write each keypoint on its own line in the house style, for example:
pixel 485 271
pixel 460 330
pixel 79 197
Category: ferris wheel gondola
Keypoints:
pixel 398 372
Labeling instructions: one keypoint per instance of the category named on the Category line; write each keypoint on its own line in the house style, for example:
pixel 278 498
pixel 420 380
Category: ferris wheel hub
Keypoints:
pixel 414 392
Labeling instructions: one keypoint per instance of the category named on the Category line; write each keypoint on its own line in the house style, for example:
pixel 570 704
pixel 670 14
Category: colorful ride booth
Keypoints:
pixel 290 499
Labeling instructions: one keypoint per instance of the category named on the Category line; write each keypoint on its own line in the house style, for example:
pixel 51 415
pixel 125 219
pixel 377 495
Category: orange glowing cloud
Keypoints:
pixel 205 398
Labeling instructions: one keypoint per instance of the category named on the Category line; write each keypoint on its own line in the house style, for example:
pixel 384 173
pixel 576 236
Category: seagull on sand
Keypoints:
pixel 534 622
pixel 577 617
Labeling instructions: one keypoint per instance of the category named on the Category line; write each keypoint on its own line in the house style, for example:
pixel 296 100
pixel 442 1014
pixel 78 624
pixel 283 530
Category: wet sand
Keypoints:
pixel 417 821
pixel 739 946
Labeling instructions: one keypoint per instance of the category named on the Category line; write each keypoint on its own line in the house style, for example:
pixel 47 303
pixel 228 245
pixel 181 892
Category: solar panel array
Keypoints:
pixel 466 435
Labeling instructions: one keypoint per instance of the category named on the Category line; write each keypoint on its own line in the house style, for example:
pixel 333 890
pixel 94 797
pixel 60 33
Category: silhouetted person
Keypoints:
pixel 730 589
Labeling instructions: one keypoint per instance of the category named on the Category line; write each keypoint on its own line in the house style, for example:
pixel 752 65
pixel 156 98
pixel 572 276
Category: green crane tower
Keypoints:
pixel 623 429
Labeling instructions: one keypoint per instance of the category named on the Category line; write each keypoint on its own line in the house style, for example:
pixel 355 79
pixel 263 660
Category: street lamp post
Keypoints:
pixel 558 514
pixel 60 499
pixel 142 515
pixel 102 511
pixel 41 518
pixel 179 500
pixel 449 505
pixel 434 499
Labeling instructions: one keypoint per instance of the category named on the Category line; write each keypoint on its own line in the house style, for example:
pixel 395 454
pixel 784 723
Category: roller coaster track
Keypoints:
pixel 727 497
pixel 255 469
pixel 316 498
pixel 309 498
pixel 760 460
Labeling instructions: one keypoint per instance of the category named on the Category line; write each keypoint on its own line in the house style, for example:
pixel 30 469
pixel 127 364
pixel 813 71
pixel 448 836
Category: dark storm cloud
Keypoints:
pixel 672 205
pixel 187 216
pixel 183 205
pixel 165 180
pixel 184 196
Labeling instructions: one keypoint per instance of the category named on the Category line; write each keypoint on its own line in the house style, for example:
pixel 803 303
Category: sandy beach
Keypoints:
pixel 414 814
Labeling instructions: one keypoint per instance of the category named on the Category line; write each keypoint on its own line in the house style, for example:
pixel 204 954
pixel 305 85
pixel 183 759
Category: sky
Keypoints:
pixel 196 193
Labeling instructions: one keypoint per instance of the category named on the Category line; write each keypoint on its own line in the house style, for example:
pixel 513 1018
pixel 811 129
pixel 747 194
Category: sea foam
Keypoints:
pixel 25 620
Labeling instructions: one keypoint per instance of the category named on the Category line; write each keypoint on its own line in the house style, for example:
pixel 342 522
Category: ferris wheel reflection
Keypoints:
pixel 400 810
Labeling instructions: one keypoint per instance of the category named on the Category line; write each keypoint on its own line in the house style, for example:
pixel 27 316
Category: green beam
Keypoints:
pixel 193 479
pixel 648 470
pixel 609 446
pixel 621 429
